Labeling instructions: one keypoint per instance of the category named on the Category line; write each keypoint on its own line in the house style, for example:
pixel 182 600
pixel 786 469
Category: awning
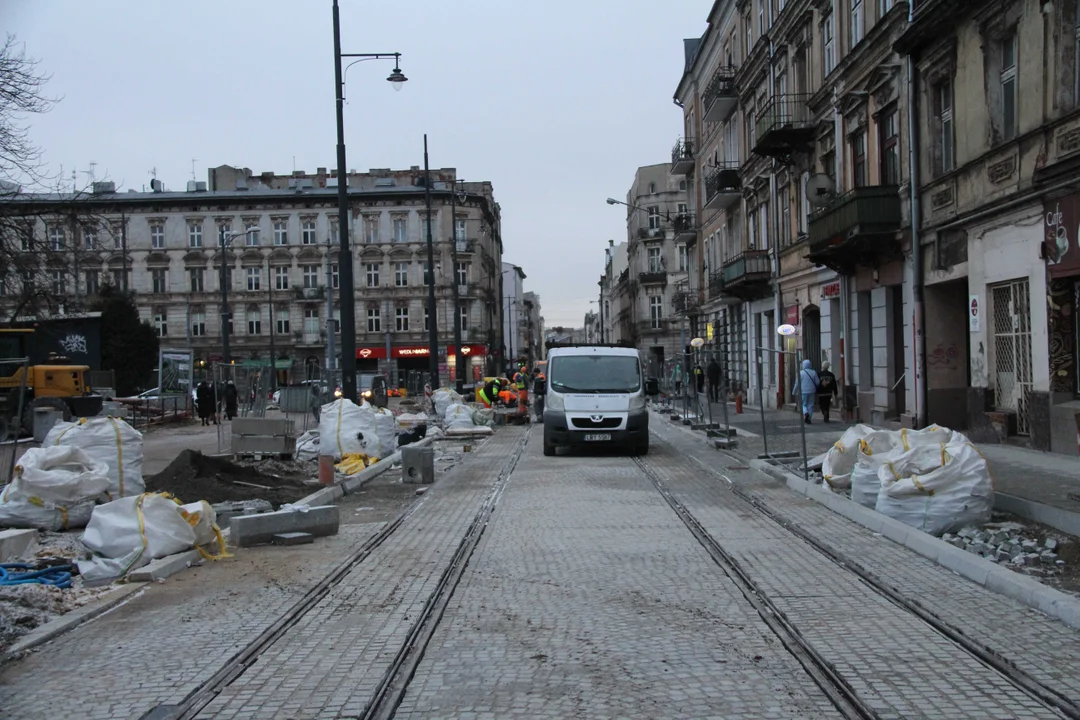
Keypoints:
pixel 279 364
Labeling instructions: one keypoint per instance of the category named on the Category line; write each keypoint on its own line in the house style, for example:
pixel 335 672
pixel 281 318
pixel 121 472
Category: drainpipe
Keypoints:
pixel 918 309
pixel 774 238
pixel 846 370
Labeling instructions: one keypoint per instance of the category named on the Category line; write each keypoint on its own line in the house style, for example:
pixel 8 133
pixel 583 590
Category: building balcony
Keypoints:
pixel 682 156
pixel 465 245
pixel 747 276
pixel 309 293
pixel 309 339
pixel 646 327
pixel 720 96
pixel 784 127
pixel 650 233
pixel 716 284
pixel 722 186
pixel 653 277
pixel 857 228
pixel 685 226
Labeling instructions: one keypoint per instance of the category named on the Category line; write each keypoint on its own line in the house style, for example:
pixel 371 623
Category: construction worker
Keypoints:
pixel 521 380
pixel 490 392
pixel 539 390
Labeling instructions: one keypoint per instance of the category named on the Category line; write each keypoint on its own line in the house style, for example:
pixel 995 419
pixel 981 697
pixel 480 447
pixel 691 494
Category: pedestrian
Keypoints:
pixel 203 404
pixel 808 386
pixel 231 400
pixel 712 372
pixel 827 389
pixel 676 377
pixel 315 403
pixel 699 378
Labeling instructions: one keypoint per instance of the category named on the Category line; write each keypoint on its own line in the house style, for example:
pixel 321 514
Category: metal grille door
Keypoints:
pixel 1012 351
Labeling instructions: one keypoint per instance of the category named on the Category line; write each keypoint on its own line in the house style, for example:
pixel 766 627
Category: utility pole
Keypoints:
pixel 273 354
pixel 345 267
pixel 459 359
pixel 433 331
pixel 226 355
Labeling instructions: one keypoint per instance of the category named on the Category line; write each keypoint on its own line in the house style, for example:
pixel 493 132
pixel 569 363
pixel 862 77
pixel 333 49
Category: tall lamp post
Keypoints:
pixel 459 359
pixel 347 293
pixel 433 329
pixel 224 241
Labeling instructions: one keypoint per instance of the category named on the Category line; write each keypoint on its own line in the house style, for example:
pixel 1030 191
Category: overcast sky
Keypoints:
pixel 556 103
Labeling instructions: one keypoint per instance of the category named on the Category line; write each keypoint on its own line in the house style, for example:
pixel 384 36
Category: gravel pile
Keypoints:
pixel 1007 544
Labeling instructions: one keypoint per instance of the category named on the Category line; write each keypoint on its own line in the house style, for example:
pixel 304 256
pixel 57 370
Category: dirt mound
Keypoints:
pixel 193 476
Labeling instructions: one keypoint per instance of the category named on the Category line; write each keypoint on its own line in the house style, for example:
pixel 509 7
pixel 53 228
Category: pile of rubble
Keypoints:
pixel 1005 544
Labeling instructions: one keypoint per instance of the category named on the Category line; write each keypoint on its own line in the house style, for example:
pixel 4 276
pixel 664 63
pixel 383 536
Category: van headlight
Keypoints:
pixel 637 402
pixel 555 401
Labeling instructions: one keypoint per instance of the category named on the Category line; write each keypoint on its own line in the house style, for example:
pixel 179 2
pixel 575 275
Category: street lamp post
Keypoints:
pixel 273 353
pixel 433 329
pixel 347 293
pixel 224 240
pixel 330 305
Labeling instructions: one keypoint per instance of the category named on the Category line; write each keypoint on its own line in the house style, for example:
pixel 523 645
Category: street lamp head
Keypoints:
pixel 612 201
pixel 397 78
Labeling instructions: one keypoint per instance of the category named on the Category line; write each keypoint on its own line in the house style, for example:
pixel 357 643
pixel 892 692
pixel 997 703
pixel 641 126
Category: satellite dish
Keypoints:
pixel 819 189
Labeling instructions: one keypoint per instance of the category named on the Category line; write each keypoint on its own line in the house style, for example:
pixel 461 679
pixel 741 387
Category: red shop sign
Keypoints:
pixel 410 351
pixel 791 315
pixel 832 290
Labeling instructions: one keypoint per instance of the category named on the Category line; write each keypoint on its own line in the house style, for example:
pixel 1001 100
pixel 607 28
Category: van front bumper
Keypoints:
pixel 557 431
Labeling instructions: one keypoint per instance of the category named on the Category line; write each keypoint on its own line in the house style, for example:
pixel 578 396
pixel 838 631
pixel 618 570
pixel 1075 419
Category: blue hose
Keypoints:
pixel 58 576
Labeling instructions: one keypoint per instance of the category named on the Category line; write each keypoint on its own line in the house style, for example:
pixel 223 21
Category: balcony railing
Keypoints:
pixel 463 245
pixel 784 125
pixel 721 95
pixel 868 217
pixel 716 283
pixel 653 277
pixel 747 273
pixel 652 326
pixel 684 224
pixel 679 301
pixel 722 186
pixel 310 293
pixel 645 233
pixel 682 156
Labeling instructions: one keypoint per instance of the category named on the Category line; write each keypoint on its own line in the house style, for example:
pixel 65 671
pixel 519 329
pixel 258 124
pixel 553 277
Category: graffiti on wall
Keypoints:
pixel 1061 319
pixel 979 374
pixel 944 357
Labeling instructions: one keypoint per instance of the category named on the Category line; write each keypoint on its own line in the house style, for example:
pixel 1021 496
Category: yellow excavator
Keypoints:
pixel 57 383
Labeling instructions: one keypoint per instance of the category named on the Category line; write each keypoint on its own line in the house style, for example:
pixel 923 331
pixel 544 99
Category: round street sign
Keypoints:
pixel 697 342
pixel 786 330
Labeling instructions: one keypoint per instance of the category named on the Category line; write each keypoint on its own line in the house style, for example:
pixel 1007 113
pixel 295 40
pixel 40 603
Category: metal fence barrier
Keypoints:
pixel 783 434
pixel 144 412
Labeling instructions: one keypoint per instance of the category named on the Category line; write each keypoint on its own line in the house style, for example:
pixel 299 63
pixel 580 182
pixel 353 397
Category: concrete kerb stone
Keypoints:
pixel 164 567
pixel 14 542
pixel 71 620
pixel 248 530
pixel 1025 590
pixel 1063 520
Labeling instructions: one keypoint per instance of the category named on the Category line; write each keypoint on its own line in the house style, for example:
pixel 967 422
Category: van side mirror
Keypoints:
pixel 652 387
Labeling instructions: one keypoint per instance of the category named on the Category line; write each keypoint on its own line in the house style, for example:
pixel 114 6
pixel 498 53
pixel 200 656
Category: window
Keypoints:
pixel 401 319
pixel 652 188
pixel 335 278
pixel 254 321
pixel 888 132
pixel 598 373
pixel 654 218
pixel 281 232
pixel 400 230
pixel 751 128
pixel 459 229
pixel 884 6
pixel 656 310
pixel 159 281
pixel 311 321
pixel 946 156
pixel 763 225
pixel 828 39
pixel 89 238
pixel 307 232
pixel 804 202
pixel 251 235
pixel 59 282
pixel 337 320
pixel 93 282
pixel 281 278
pixel 654 260
pixel 194 234
pixel 224 232
pixel 783 232
pixel 856 22
pixel 858 158
pixel 371 230
pixel 682 185
pixel 117 278
pixel 281 317
pixel 681 250
pixel 374 321
pixel 372 274
pixel 681 209
pixel 461 273
pixel 118 236
pixel 463 312
pixel 427 317
pixel 157 235
pixel 254 278
pixel 198 324
pixel 161 323
pixel 1008 88
pixel 749 34
pixel 197 278
pixel 401 274
pixel 761 17
pixel 427 272
pixel 56 237
pixel 310 274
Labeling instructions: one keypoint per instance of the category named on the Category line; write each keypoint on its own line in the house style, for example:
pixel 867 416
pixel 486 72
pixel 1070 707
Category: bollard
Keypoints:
pixel 738 403
pixel 326 469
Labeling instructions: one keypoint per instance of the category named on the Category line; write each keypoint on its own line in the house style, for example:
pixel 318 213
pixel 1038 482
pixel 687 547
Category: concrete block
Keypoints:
pixel 164 567
pixel 687 421
pixel 293 538
pixel 699 426
pixel 965 564
pixel 417 465
pixel 324 496
pixel 1008 583
pixel 13 543
pixel 723 443
pixel 248 530
pixel 894 530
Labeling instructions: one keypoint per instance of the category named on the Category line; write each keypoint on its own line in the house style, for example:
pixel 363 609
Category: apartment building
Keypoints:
pixel 997 107
pixel 796 110
pixel 657 263
pixel 278 237
pixel 614 294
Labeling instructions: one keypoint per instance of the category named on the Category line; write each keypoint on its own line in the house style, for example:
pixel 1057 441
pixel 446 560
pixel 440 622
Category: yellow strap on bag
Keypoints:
pixel 119 455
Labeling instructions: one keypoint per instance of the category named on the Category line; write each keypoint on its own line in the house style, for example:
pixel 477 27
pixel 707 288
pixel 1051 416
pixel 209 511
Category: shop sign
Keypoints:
pixel 791 315
pixel 1061 225
pixel 832 290
pixel 411 351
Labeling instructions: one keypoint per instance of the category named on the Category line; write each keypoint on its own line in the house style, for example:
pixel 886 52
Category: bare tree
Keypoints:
pixel 21 95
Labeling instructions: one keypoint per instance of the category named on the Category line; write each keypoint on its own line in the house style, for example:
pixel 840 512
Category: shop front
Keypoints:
pixel 1061 236
pixel 415 359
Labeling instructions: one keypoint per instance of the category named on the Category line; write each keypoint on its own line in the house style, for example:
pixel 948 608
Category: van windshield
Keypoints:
pixel 595 374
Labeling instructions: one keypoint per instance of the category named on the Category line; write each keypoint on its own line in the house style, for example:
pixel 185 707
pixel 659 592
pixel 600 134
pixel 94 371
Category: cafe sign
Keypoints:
pixel 1061 222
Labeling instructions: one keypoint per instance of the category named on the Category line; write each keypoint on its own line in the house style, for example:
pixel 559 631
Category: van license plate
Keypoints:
pixel 597 438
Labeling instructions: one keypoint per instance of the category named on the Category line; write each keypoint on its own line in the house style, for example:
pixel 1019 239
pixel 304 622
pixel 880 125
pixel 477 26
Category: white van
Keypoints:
pixel 596 397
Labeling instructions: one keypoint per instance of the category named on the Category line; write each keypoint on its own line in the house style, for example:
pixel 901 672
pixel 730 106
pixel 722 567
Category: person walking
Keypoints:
pixel 203 404
pixel 231 400
pixel 807 385
pixel 699 378
pixel 712 373
pixel 827 390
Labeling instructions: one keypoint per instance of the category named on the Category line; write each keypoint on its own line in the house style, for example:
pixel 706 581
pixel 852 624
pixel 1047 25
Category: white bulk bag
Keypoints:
pixel 836 464
pixel 874 450
pixel 345 427
pixel 409 421
pixel 53 488
pixel 459 417
pixel 957 493
pixel 113 442
pixel 307 445
pixel 443 398
pixel 203 520
pixel 386 424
